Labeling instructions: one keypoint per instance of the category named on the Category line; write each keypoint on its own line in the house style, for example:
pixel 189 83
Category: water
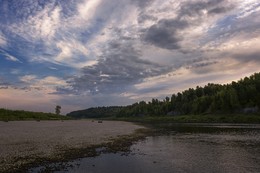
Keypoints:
pixel 183 148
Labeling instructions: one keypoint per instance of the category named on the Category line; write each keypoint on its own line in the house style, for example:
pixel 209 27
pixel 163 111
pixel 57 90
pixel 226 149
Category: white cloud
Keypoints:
pixel 48 24
pixel 68 48
pixel 15 71
pixel 74 54
pixel 60 36
pixel 239 43
pixel 28 78
pixel 43 25
pixel 51 81
pixel 86 10
pixel 11 58
pixel 89 63
pixel 83 17
pixel 247 8
pixel 65 53
pixel 46 85
pixel 233 44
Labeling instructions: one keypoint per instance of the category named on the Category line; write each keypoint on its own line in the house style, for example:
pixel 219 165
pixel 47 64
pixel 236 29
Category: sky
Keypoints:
pixel 86 53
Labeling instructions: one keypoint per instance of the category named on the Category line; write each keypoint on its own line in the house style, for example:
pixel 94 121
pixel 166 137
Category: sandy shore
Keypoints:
pixel 23 141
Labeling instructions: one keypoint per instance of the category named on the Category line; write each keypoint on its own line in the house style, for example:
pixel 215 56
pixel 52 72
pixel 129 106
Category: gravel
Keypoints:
pixel 23 141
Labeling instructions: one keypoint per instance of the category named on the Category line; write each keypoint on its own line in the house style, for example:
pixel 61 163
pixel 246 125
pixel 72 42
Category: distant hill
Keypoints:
pixel 11 115
pixel 241 97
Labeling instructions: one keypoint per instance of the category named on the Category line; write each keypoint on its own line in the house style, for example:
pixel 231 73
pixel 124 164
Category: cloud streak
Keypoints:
pixel 3 41
pixel 9 57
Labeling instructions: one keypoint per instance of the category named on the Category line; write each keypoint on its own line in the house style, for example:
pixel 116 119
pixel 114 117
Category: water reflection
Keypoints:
pixel 185 148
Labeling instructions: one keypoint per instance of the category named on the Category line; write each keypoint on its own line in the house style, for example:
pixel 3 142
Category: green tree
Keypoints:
pixel 233 99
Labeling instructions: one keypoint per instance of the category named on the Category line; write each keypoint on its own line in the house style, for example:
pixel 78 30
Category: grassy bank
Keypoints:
pixel 17 115
pixel 232 118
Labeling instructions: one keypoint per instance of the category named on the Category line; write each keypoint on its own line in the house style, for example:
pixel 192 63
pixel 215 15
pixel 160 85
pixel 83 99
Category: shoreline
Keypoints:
pixel 22 151
pixel 207 118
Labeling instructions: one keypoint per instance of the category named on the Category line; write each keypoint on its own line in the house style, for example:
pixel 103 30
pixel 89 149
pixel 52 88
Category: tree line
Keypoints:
pixel 14 115
pixel 242 96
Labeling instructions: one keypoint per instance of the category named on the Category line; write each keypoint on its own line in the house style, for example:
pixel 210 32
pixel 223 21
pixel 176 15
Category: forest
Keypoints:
pixel 241 97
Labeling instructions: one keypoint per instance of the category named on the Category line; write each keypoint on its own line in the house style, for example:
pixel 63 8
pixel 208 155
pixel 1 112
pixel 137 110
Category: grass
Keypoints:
pixel 17 115
pixel 219 118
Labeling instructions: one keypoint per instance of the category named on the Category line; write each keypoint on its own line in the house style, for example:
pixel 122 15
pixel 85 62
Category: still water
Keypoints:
pixel 184 148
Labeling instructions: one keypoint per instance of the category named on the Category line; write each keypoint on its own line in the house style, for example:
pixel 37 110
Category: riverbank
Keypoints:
pixel 25 144
pixel 219 118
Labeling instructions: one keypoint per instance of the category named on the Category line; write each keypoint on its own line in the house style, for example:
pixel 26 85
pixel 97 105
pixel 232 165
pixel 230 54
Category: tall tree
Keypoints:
pixel 57 109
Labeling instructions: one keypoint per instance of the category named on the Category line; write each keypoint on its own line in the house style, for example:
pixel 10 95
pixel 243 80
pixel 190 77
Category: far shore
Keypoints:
pixel 24 143
pixel 206 118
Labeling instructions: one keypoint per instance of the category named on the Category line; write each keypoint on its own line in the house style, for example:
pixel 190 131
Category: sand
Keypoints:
pixel 22 141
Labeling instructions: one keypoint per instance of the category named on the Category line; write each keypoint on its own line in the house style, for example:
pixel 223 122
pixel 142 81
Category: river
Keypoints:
pixel 178 148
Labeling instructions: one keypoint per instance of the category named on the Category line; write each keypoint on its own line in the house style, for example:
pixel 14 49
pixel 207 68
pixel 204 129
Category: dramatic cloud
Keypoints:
pixel 116 71
pixel 168 33
pixel 95 52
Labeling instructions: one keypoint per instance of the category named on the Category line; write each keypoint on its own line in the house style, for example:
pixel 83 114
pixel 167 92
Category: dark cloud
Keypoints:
pixel 142 17
pixel 116 71
pixel 164 33
pixel 3 83
pixel 218 10
pixel 247 56
pixel 202 64
pixel 4 86
pixel 196 8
